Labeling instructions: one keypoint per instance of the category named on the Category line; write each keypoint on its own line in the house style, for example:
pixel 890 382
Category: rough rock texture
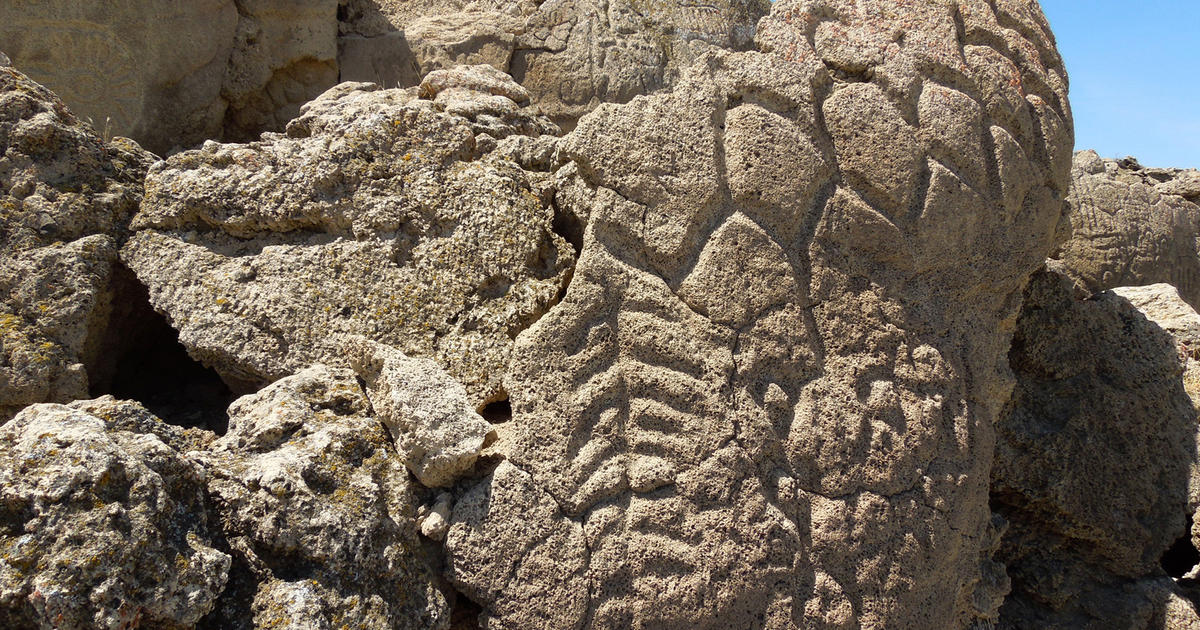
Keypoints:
pixel 1133 226
pixel 66 197
pixel 1092 462
pixel 380 213
pixel 767 398
pixel 437 433
pixel 319 513
pixel 171 74
pixel 100 527
pixel 571 55
pixel 284 54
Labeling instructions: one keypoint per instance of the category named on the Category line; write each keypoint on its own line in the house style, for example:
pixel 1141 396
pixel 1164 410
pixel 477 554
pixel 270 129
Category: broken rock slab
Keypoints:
pixel 319 512
pixel 101 526
pixel 66 199
pixel 382 213
pixel 768 397
pixel 437 433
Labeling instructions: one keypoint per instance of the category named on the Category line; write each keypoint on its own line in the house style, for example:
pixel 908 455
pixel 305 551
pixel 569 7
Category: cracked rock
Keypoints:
pixel 381 213
pixel 768 397
pixel 101 526
pixel 319 511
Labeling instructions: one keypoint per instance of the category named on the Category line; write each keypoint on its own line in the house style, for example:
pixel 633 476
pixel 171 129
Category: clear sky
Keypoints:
pixel 1135 76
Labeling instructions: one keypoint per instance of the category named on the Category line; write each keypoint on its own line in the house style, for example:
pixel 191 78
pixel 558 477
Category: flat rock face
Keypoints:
pixel 171 74
pixel 381 214
pixel 1133 226
pixel 767 399
pixel 571 55
pixel 101 527
pixel 319 512
pixel 1092 462
pixel 66 198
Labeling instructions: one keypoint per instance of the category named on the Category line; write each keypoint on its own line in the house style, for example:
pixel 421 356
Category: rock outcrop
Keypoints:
pixel 768 396
pixel 319 513
pixel 101 527
pixel 66 198
pixel 571 55
pixel 172 74
pixel 1133 226
pixel 1092 463
pixel 382 213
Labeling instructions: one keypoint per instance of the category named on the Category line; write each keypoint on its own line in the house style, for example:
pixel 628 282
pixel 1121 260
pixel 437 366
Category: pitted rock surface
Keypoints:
pixel 1092 462
pixel 437 433
pixel 319 512
pixel 767 399
pixel 66 198
pixel 101 527
pixel 381 214
pixel 1133 226
pixel 572 55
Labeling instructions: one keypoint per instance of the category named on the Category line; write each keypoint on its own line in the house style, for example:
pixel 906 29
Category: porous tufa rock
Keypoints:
pixel 1092 463
pixel 1133 225
pixel 438 434
pixel 319 512
pixel 379 214
pixel 66 199
pixel 768 396
pixel 101 527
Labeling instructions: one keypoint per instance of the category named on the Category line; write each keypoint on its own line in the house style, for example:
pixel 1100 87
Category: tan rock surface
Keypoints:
pixel 380 214
pixel 571 55
pixel 66 198
pixel 1133 226
pixel 767 399
pixel 172 74
pixel 101 527
pixel 319 512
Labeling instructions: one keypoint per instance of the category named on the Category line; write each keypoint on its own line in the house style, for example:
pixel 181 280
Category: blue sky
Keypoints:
pixel 1135 76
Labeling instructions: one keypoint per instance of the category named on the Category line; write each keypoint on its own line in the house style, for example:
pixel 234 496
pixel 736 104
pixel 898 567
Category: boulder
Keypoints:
pixel 101 526
pixel 767 399
pixel 66 199
pixel 1092 462
pixel 381 213
pixel 318 511
pixel 437 433
pixel 172 74
pixel 1132 226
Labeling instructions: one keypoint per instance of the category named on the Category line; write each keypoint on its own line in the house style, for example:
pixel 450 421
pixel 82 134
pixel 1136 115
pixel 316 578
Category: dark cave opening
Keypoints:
pixel 140 358
pixel 497 412
pixel 1182 556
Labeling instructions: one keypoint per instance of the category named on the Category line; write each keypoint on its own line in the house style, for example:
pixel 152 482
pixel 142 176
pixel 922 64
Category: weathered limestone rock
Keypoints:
pixel 768 397
pixel 66 197
pixel 319 512
pixel 149 70
pixel 100 527
pixel 172 74
pixel 571 55
pixel 1092 462
pixel 284 54
pixel 381 214
pixel 438 435
pixel 1133 226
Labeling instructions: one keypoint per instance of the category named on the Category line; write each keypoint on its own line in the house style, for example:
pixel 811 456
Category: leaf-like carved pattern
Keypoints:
pixel 767 397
